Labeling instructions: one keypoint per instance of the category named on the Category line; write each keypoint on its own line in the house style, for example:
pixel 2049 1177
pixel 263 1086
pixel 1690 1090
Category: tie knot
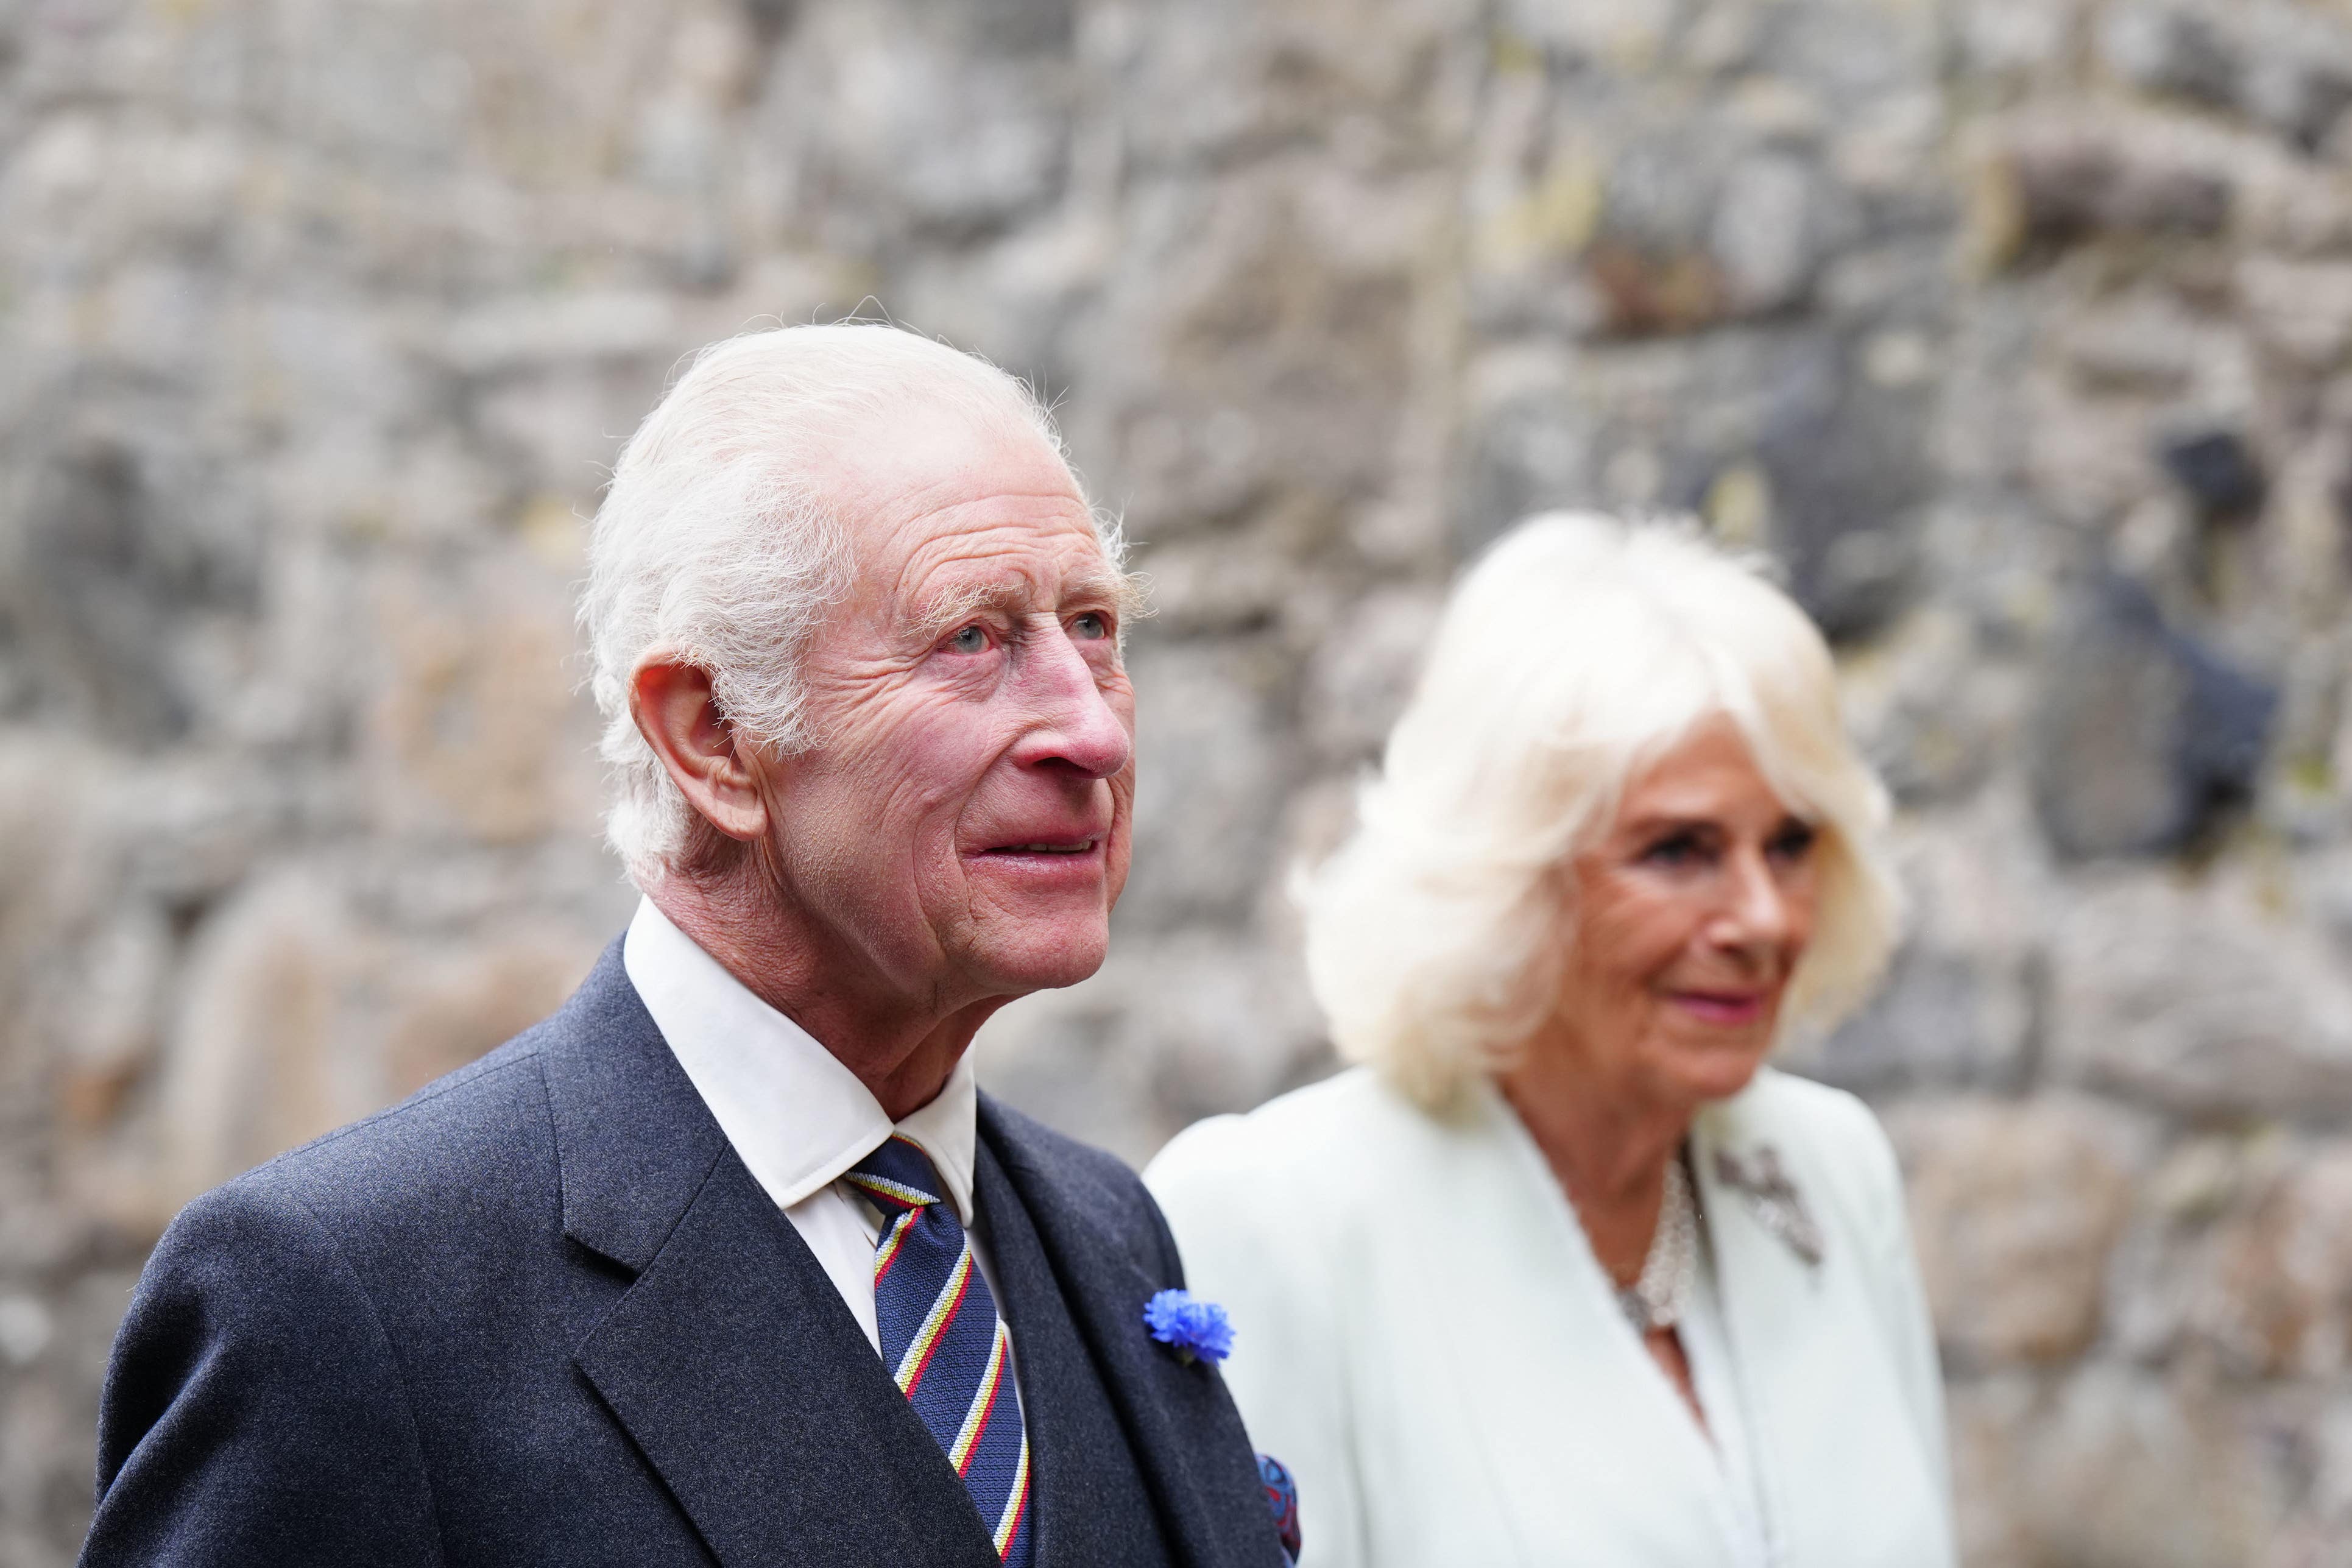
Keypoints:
pixel 899 1175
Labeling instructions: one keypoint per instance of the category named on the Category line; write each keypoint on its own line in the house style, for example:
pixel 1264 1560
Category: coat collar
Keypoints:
pixel 1769 1291
pixel 795 1114
pixel 730 1358
pixel 1814 1376
pixel 1775 1270
pixel 1074 1435
pixel 1506 1260
pixel 634 1143
pixel 748 1386
pixel 1180 1422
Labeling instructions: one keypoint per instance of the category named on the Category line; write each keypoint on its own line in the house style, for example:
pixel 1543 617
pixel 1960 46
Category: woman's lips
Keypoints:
pixel 1723 1008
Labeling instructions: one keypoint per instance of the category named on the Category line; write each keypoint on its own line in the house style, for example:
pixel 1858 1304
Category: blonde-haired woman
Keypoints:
pixel 1561 1273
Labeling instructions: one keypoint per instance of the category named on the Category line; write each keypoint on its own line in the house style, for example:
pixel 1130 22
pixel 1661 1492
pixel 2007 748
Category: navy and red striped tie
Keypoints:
pixel 944 1343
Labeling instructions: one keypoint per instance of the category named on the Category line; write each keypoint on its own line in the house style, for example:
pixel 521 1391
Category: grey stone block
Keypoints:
pixel 2141 732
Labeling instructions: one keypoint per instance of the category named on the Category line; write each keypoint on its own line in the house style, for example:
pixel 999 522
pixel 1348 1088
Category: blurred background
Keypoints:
pixel 2019 331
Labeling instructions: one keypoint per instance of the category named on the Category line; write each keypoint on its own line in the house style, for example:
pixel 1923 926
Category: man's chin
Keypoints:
pixel 1045 958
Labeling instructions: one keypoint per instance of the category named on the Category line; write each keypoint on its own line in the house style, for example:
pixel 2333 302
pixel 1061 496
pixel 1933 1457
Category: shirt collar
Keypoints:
pixel 796 1116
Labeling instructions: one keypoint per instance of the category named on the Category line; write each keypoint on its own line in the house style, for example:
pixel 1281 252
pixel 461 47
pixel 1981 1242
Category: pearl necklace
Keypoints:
pixel 1656 1299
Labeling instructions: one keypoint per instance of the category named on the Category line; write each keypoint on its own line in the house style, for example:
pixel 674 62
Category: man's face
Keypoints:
pixel 960 829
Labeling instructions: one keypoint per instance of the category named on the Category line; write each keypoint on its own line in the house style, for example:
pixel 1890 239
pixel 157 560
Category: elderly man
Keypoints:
pixel 730 1260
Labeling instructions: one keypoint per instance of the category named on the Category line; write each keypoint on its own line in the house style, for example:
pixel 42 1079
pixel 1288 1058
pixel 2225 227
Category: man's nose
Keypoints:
pixel 1079 730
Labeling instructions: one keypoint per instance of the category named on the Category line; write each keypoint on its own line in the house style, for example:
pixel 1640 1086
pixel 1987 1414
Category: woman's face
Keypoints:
pixel 1690 915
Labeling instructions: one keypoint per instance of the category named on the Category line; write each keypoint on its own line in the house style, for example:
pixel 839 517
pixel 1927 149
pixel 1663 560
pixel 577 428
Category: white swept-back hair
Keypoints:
pixel 1575 653
pixel 718 541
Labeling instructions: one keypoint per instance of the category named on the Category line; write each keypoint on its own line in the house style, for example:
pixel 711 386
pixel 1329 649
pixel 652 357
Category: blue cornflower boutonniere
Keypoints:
pixel 1195 1329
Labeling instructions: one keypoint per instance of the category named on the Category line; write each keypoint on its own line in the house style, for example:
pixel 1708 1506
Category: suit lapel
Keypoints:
pixel 1181 1425
pixel 1091 1508
pixel 634 1141
pixel 747 1384
pixel 730 1360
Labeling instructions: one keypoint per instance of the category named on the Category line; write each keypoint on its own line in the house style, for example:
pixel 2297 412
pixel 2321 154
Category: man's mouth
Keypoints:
pixel 1066 847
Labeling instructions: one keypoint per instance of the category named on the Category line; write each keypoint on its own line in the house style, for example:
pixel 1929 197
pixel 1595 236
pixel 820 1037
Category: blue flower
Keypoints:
pixel 1193 1327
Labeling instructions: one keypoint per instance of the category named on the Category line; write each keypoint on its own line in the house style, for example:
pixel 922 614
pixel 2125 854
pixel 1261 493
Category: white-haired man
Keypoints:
pixel 615 1293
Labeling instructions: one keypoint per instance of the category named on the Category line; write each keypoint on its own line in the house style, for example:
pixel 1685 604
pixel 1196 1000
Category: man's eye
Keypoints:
pixel 971 639
pixel 1091 625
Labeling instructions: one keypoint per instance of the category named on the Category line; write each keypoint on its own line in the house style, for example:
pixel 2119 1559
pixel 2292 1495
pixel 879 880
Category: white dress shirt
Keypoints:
pixel 797 1118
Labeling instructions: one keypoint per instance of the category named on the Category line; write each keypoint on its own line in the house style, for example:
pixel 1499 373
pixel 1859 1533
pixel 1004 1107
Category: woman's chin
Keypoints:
pixel 1719 1068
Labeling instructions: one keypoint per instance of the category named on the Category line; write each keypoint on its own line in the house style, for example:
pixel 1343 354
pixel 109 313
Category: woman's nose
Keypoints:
pixel 1755 912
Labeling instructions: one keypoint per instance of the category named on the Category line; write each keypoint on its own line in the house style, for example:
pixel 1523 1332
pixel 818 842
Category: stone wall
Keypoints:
pixel 2020 331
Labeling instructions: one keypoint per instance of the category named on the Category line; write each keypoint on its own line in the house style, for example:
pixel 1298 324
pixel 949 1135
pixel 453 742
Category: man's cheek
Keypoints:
pixel 1117 853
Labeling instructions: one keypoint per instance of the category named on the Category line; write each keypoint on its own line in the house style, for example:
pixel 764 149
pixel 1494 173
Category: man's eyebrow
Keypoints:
pixel 960 603
pixel 1119 591
pixel 1123 590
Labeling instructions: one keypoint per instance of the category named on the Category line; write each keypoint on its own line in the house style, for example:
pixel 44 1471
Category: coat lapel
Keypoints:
pixel 747 1384
pixel 1816 1385
pixel 1180 1423
pixel 1769 1292
pixel 1580 1430
pixel 730 1358
pixel 1091 1507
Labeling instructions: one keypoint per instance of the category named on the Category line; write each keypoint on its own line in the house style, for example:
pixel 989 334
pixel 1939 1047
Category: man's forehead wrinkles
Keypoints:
pixel 1014 548
pixel 951 495
pixel 985 524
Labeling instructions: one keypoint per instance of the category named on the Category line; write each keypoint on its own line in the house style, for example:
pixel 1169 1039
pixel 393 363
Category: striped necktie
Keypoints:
pixel 943 1341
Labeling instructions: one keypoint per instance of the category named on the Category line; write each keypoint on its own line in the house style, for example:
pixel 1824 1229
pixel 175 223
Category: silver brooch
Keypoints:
pixel 1772 1198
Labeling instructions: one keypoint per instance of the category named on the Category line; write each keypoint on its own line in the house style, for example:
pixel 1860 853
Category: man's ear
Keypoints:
pixel 707 759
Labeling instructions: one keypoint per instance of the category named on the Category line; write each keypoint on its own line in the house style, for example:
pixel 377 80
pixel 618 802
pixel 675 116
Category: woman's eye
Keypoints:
pixel 1091 626
pixel 971 639
pixel 1674 850
pixel 1794 842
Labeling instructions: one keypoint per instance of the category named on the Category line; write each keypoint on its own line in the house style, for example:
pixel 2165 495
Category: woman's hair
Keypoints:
pixel 1574 654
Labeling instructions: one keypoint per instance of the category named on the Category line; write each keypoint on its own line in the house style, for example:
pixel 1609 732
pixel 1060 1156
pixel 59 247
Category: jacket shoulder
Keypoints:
pixel 1095 1178
pixel 1828 1134
pixel 1057 1154
pixel 453 1119
pixel 454 1159
pixel 1832 1124
pixel 1346 1130
pixel 254 1408
pixel 1230 1186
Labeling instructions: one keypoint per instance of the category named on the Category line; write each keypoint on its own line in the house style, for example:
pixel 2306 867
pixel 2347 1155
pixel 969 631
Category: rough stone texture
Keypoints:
pixel 2201 1001
pixel 2019 330
pixel 2141 732
pixel 2020 1207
